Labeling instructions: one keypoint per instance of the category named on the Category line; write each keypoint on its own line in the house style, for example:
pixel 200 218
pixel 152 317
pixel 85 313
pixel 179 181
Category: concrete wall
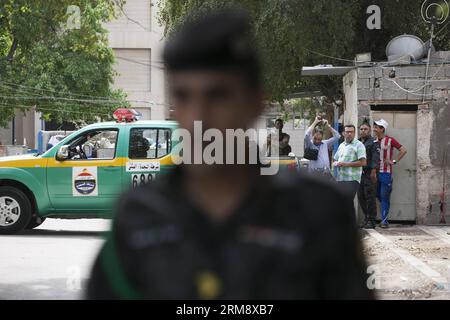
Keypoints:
pixel 433 160
pixel 6 135
pixel 435 168
pixel 27 126
pixel 374 86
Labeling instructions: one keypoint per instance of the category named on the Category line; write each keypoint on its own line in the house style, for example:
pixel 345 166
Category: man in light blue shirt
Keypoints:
pixel 314 140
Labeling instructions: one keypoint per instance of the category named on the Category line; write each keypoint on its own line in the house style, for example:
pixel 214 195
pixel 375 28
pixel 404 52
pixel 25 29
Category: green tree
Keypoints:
pixel 294 33
pixel 49 61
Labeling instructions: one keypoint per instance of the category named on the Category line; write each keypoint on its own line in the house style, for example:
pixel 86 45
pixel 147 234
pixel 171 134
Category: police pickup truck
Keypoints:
pixel 84 174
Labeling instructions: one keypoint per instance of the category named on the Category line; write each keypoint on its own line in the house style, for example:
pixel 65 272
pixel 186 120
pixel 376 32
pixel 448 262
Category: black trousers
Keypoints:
pixel 367 194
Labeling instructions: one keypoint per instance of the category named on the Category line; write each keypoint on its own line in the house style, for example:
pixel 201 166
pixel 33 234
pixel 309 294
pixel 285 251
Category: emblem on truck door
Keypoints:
pixel 84 181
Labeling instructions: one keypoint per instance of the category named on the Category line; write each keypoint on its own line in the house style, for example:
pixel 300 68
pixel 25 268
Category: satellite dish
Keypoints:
pixel 407 45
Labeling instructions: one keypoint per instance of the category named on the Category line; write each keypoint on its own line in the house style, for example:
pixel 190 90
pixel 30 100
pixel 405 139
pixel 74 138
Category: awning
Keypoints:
pixel 326 70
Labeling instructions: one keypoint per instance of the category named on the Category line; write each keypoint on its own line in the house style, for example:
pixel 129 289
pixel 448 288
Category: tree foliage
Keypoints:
pixel 296 33
pixel 64 71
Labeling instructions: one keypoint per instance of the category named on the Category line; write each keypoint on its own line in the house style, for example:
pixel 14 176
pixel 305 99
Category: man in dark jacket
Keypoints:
pixel 226 231
pixel 367 192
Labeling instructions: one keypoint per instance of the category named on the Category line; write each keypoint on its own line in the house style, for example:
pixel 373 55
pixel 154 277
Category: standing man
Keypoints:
pixel 277 138
pixel 386 146
pixel 350 158
pixel 314 140
pixel 285 148
pixel 279 125
pixel 367 192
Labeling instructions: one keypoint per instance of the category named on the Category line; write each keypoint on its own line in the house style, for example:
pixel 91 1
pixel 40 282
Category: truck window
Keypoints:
pixel 149 143
pixel 98 144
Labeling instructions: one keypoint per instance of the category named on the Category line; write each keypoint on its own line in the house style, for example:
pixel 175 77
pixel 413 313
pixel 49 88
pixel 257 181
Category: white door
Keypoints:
pixel 402 127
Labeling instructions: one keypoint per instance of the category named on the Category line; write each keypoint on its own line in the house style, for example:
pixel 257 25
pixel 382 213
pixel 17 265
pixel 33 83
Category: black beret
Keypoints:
pixel 217 40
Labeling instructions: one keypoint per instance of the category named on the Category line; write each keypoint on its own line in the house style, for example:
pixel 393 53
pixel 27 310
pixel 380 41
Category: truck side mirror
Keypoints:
pixel 63 153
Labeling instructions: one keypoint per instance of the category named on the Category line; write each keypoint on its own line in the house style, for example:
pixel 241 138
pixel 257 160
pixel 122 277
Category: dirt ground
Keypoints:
pixel 409 262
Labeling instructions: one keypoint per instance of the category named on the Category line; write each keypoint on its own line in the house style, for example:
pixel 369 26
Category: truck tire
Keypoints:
pixel 35 221
pixel 15 210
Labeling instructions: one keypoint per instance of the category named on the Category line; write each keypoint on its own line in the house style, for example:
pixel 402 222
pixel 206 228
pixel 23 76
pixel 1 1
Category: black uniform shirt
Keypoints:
pixel 373 154
pixel 293 238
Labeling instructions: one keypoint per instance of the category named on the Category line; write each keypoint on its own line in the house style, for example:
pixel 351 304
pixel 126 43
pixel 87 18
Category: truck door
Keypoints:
pixel 91 178
pixel 148 155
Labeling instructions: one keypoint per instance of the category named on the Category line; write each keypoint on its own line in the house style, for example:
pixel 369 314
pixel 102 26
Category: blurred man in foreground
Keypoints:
pixel 226 231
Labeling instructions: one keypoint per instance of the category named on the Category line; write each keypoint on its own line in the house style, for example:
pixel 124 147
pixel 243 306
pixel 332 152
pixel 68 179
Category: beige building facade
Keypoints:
pixel 137 40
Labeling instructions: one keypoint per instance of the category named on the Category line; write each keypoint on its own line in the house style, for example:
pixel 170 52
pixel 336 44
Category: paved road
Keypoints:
pixel 51 262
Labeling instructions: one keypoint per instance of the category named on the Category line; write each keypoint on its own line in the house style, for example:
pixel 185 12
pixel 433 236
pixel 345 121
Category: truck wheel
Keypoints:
pixel 35 222
pixel 15 210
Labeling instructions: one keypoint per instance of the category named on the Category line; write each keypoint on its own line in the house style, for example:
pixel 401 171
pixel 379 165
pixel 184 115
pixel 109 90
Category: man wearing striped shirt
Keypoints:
pixel 386 145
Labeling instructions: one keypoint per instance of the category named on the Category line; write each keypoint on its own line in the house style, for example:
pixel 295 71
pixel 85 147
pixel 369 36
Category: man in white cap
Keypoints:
pixel 386 145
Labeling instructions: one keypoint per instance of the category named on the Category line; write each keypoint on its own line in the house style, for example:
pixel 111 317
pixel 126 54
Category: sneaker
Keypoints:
pixel 384 225
pixel 369 225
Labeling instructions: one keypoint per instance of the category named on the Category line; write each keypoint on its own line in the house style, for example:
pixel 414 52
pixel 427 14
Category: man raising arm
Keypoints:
pixel 314 141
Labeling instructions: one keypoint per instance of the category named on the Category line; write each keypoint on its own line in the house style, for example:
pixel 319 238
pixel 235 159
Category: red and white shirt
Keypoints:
pixel 387 145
